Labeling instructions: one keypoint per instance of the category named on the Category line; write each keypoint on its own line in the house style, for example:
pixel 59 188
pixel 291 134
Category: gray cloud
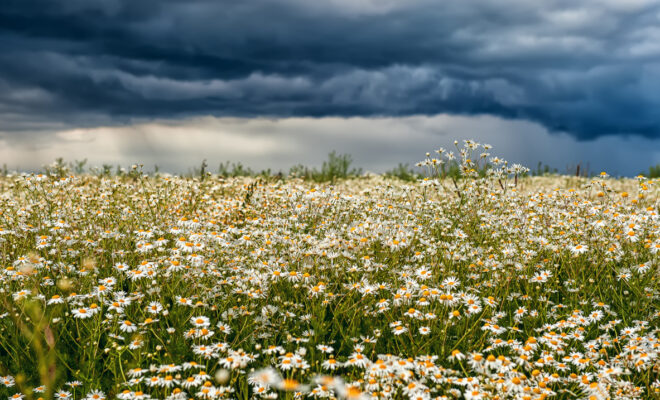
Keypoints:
pixel 588 68
pixel 376 144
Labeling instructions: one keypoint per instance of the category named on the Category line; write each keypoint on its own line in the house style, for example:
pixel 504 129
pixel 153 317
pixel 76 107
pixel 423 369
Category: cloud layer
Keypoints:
pixel 376 144
pixel 589 68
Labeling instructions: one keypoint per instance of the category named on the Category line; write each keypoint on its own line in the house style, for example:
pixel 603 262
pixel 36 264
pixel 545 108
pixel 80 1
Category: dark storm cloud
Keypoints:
pixel 589 68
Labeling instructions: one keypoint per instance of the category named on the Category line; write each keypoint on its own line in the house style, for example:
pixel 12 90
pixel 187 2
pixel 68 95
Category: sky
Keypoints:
pixel 272 83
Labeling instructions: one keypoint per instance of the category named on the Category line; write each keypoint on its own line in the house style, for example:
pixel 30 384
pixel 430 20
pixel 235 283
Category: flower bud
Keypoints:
pixel 222 376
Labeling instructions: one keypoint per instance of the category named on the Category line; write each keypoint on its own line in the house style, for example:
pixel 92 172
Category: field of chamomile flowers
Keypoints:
pixel 491 285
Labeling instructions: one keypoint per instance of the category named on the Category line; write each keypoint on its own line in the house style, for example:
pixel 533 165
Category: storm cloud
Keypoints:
pixel 376 144
pixel 585 68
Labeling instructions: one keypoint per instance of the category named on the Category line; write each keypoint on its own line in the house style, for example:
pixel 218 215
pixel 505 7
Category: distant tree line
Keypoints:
pixel 337 166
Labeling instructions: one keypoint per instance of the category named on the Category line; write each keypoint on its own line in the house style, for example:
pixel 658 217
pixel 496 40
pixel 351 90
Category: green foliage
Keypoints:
pixel 232 170
pixel 106 170
pixel 58 168
pixel 544 170
pixel 335 167
pixel 654 171
pixel 338 166
pixel 404 172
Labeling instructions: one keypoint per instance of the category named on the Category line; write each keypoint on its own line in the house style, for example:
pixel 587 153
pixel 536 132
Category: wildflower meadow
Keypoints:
pixel 491 284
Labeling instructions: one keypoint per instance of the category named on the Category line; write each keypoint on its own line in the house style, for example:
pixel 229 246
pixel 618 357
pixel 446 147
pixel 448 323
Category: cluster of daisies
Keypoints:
pixel 492 286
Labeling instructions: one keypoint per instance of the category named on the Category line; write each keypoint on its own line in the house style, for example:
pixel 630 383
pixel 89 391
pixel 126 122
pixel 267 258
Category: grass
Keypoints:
pixel 480 283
